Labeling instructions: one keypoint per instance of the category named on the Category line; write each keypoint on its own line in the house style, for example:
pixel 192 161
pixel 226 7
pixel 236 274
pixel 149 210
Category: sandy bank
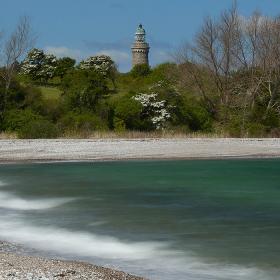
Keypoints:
pixel 119 149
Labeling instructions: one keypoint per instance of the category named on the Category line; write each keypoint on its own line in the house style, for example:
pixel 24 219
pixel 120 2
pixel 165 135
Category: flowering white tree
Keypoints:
pixel 101 63
pixel 39 66
pixel 156 110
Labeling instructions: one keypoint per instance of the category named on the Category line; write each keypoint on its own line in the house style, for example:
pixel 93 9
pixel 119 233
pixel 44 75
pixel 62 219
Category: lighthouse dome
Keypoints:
pixel 140 35
pixel 140 30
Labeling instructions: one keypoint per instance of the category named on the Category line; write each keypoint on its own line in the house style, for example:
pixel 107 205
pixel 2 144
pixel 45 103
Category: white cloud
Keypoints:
pixel 118 56
pixel 63 52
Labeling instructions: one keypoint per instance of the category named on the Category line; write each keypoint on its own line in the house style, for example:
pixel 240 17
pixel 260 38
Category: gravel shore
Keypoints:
pixel 19 267
pixel 121 149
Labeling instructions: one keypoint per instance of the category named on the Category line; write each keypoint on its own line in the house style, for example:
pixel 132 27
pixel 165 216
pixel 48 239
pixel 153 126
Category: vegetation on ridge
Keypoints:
pixel 225 82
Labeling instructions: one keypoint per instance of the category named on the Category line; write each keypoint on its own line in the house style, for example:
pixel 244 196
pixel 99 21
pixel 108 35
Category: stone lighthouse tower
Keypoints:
pixel 140 48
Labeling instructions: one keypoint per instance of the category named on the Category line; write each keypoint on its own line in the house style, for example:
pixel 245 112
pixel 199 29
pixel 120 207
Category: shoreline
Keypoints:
pixel 47 161
pixel 18 266
pixel 14 265
pixel 86 150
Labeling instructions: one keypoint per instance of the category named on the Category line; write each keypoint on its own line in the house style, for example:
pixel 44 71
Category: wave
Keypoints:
pixel 2 183
pixel 77 243
pixel 155 260
pixel 10 201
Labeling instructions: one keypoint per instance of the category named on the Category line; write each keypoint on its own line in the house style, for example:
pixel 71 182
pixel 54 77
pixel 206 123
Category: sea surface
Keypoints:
pixel 195 219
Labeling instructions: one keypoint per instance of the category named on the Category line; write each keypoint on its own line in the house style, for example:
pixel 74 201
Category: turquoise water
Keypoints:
pixel 197 219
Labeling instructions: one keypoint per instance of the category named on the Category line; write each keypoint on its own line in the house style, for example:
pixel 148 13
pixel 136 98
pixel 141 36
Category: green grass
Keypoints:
pixel 50 93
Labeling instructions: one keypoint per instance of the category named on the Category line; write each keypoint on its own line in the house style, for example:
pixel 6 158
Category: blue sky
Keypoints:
pixel 80 28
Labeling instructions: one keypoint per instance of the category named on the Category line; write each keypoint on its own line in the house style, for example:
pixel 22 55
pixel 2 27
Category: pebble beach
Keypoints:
pixel 17 266
pixel 123 149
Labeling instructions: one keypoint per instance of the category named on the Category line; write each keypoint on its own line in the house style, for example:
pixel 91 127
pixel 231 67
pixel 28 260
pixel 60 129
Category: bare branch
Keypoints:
pixel 19 42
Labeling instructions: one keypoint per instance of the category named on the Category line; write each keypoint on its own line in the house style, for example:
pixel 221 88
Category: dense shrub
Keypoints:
pixel 38 129
pixel 165 71
pixel 81 123
pixel 21 96
pixel 127 114
pixel 64 65
pixel 15 119
pixel 83 89
pixel 119 124
pixel 256 130
pixel 198 118
pixel 140 70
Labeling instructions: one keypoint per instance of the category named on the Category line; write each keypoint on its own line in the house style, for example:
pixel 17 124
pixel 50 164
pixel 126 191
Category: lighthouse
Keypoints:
pixel 140 48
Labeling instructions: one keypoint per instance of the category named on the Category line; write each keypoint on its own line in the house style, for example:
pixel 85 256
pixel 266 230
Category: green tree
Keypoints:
pixel 83 89
pixel 127 114
pixel 38 129
pixel 140 70
pixel 102 64
pixel 64 65
pixel 15 119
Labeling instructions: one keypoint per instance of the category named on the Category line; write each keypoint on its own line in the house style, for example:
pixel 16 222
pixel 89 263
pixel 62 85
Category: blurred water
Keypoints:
pixel 204 219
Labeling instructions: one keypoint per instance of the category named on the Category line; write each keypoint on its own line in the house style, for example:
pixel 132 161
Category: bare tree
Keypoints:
pixel 240 57
pixel 213 51
pixel 19 42
pixel 269 59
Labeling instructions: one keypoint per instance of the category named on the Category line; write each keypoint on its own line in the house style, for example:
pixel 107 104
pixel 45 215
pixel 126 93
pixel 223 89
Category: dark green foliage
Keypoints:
pixel 39 128
pixel 128 114
pixel 18 97
pixel 103 64
pixel 195 116
pixel 166 71
pixel 81 123
pixel 140 70
pixel 15 119
pixel 83 89
pixel 64 65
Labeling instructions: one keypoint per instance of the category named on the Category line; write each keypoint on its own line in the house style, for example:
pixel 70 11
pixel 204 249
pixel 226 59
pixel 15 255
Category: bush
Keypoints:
pixel 256 130
pixel 84 123
pixel 200 120
pixel 140 70
pixel 127 113
pixel 38 129
pixel 15 119
pixel 83 89
pixel 165 71
pixel 119 125
pixel 20 96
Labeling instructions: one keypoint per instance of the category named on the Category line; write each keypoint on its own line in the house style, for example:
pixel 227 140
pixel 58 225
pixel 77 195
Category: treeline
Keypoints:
pixel 226 82
pixel 233 64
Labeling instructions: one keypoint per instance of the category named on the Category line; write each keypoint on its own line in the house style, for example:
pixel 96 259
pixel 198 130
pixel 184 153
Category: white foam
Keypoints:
pixel 2 183
pixel 77 243
pixel 10 201
pixel 151 259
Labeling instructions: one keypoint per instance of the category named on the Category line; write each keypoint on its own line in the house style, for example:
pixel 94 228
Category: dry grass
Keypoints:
pixel 139 135
pixel 8 135
pixel 127 135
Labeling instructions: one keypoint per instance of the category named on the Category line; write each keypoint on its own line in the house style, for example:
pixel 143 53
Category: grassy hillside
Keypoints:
pixel 50 93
